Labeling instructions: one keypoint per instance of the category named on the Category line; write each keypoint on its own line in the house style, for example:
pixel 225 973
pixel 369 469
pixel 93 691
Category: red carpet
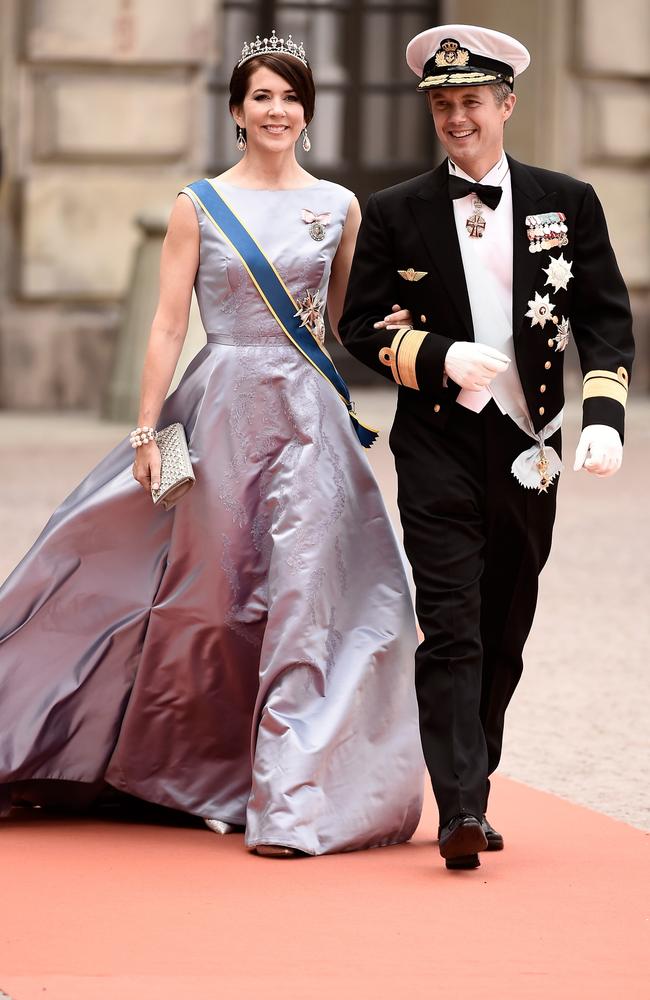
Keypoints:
pixel 95 910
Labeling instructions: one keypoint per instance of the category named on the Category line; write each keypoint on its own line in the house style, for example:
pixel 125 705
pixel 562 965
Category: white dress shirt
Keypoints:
pixel 487 262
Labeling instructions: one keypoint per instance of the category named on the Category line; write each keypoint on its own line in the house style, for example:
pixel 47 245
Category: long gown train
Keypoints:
pixel 249 655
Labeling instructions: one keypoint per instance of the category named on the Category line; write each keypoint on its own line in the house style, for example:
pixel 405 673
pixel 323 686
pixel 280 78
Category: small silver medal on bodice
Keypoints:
pixel 316 222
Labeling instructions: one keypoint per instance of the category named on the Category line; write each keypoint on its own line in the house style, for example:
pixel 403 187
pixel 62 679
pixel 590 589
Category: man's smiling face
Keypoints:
pixel 469 124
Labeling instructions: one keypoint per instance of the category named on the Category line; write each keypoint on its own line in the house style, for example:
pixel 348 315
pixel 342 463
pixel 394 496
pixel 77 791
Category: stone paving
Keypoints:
pixel 578 725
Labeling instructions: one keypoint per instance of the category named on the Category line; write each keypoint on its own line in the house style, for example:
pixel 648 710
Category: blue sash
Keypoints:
pixel 275 294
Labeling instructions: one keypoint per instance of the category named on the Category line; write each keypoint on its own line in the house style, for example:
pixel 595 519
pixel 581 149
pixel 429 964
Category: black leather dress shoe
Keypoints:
pixel 494 839
pixel 464 862
pixel 461 840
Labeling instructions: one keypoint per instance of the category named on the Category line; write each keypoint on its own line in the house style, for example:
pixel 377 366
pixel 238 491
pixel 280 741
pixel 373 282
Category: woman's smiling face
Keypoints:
pixel 271 113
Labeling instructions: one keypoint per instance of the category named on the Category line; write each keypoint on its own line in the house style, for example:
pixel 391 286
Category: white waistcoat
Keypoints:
pixel 487 262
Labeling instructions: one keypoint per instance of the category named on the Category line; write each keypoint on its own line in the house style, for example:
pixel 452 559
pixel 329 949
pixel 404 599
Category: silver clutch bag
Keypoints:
pixel 176 473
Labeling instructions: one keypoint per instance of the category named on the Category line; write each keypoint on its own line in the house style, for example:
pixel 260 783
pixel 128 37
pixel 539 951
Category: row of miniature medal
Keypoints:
pixel 546 231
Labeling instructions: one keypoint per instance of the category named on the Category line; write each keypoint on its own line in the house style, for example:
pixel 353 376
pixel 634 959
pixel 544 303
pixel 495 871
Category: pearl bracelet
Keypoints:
pixel 142 435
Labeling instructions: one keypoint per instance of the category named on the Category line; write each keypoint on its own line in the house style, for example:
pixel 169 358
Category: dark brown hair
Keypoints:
pixel 297 75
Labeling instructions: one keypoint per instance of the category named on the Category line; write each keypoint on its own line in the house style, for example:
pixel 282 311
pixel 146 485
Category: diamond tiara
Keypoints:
pixel 270 46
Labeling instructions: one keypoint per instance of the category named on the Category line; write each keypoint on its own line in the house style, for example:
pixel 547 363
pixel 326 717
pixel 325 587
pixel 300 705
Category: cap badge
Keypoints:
pixel 451 54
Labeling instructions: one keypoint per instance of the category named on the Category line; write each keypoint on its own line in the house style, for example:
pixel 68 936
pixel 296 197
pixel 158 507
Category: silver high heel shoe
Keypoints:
pixel 218 826
pixel 277 851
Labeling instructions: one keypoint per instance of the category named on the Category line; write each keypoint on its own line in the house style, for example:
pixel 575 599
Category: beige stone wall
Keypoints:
pixel 103 109
pixel 584 108
pixel 105 113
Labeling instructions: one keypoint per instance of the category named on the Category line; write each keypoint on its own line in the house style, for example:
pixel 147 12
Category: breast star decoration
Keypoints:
pixel 541 310
pixel 563 334
pixel 311 312
pixel 559 272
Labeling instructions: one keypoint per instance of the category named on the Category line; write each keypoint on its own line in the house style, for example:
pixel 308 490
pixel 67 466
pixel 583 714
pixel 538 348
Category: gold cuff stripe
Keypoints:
pixel 407 355
pixel 388 355
pixel 612 385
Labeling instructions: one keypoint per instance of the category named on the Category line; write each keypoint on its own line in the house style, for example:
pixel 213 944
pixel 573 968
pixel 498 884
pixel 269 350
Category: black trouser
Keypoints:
pixel 477 541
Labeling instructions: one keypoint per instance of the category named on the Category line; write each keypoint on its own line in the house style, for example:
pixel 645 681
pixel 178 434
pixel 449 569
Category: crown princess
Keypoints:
pixel 270 46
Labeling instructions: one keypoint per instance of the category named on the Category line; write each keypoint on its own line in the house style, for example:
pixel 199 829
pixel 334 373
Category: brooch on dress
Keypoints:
pixel 546 231
pixel 311 309
pixel 316 222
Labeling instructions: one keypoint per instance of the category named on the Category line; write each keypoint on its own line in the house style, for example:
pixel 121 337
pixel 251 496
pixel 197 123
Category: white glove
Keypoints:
pixel 599 450
pixel 473 366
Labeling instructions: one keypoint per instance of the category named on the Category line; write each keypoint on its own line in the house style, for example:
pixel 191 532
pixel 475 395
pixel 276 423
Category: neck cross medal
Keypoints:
pixel 475 225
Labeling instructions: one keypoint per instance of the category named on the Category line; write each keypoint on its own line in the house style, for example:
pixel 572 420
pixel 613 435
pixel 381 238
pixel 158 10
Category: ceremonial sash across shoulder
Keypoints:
pixel 275 294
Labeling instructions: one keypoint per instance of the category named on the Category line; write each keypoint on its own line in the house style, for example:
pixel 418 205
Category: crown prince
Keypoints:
pixel 511 262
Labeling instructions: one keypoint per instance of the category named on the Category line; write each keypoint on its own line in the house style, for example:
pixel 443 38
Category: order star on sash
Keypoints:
pixel 311 312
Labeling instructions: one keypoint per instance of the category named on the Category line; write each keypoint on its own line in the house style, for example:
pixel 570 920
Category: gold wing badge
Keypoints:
pixel 411 275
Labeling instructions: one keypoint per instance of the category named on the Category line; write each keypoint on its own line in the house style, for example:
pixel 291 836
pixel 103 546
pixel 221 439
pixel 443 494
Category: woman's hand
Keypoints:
pixel 146 468
pixel 399 317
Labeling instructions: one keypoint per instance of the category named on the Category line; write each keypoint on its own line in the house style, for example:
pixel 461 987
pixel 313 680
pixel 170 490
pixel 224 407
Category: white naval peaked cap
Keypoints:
pixel 465 55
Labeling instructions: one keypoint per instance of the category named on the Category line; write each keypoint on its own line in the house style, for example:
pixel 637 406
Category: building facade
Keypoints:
pixel 107 109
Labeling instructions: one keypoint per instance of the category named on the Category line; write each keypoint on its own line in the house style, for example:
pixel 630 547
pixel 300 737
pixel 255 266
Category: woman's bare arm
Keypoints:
pixel 178 265
pixel 341 272
pixel 341 267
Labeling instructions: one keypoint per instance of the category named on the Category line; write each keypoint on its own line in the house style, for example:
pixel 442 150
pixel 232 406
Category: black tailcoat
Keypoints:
pixel 412 225
pixel 476 539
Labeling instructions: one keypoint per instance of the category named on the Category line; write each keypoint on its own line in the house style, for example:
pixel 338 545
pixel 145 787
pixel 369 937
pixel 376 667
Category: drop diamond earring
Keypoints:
pixel 306 144
pixel 241 139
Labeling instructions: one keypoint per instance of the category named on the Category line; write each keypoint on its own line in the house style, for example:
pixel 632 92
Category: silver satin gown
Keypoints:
pixel 247 656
